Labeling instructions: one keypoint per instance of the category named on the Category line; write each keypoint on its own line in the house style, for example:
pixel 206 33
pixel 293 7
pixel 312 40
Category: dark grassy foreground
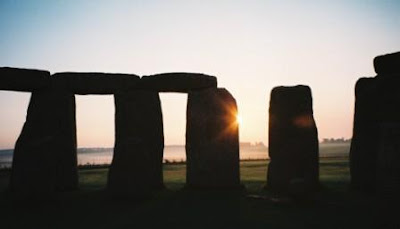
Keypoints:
pixel 90 207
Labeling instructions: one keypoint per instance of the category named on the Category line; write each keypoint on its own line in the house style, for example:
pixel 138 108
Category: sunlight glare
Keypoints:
pixel 239 119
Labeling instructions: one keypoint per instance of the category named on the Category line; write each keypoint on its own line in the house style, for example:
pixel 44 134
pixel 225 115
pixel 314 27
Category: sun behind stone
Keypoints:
pixel 239 119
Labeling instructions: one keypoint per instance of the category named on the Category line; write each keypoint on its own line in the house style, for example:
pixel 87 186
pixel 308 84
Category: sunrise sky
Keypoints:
pixel 251 46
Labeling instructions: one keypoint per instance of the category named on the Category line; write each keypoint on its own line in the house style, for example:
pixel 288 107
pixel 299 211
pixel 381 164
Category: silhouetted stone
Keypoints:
pixel 96 83
pixel 293 142
pixel 377 105
pixel 178 82
pixel 387 65
pixel 16 79
pixel 136 167
pixel 212 142
pixel 45 153
pixel 364 144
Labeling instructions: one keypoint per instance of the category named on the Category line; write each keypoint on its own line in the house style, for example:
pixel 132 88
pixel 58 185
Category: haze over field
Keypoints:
pixel 177 153
pixel 251 46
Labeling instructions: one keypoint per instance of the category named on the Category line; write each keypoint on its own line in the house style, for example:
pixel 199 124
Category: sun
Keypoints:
pixel 239 119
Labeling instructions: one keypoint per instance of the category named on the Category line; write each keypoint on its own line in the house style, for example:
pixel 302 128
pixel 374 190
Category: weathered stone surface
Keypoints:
pixel 212 142
pixel 45 153
pixel 387 65
pixel 136 167
pixel 178 82
pixel 293 141
pixel 16 79
pixel 96 83
pixel 377 103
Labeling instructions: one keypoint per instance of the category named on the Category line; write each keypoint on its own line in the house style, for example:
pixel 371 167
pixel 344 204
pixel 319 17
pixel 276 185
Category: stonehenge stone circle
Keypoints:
pixel 212 142
pixel 293 141
pixel 136 168
pixel 45 155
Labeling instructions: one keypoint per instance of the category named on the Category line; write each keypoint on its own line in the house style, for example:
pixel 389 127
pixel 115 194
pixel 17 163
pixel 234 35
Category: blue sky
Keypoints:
pixel 251 46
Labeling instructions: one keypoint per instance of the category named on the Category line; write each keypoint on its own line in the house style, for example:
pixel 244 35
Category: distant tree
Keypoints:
pixel 336 140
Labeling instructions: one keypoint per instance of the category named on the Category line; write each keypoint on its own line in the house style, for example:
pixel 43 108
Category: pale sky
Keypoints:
pixel 250 46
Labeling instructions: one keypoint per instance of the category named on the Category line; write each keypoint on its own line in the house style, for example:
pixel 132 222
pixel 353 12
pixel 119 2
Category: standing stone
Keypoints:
pixel 377 105
pixel 212 142
pixel 388 159
pixel 45 153
pixel 136 168
pixel 364 144
pixel 293 142
pixel 16 79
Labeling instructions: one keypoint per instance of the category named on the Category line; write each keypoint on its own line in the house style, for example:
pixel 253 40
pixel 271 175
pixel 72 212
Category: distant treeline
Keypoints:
pixel 336 140
pixel 95 150
pixel 249 144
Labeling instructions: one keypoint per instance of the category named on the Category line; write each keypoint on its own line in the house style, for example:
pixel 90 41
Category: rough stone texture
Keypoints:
pixel 136 168
pixel 16 79
pixel 387 65
pixel 45 153
pixel 178 82
pixel 96 83
pixel 212 142
pixel 377 104
pixel 293 141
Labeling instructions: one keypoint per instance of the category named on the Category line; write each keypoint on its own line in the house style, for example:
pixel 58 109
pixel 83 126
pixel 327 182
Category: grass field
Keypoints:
pixel 90 207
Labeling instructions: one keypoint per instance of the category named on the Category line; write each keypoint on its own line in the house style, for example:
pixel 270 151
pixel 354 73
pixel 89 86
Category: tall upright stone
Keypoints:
pixel 364 144
pixel 136 168
pixel 388 159
pixel 375 134
pixel 45 153
pixel 374 148
pixel 293 142
pixel 212 142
